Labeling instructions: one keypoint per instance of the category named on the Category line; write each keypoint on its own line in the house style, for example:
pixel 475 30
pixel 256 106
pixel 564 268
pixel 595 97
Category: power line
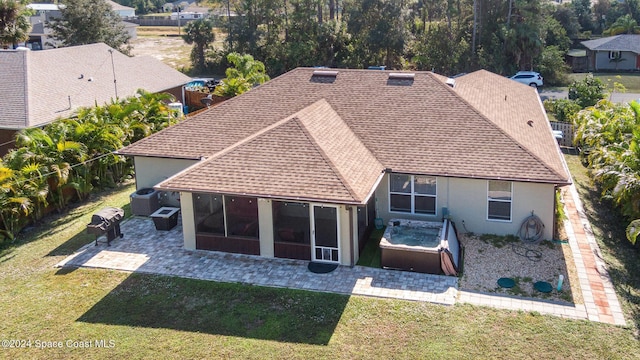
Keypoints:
pixel 72 166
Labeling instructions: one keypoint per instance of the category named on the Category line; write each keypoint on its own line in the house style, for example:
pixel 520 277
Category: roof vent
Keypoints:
pixel 327 73
pixel 451 82
pixel 401 76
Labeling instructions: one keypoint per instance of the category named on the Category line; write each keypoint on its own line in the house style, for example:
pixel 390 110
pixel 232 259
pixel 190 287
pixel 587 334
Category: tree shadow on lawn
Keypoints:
pixel 55 223
pixel 155 301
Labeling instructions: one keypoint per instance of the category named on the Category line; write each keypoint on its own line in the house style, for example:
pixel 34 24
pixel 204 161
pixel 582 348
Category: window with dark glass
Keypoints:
pixel 412 194
pixel 400 192
pixel 499 200
pixel 226 215
pixel 291 222
pixel 209 214
pixel 242 216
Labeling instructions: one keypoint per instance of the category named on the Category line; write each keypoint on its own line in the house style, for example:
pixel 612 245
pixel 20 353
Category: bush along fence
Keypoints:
pixel 68 159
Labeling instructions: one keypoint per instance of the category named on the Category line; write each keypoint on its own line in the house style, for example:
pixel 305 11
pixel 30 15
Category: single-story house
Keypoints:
pixel 39 87
pixel 41 35
pixel 125 12
pixel 613 53
pixel 304 165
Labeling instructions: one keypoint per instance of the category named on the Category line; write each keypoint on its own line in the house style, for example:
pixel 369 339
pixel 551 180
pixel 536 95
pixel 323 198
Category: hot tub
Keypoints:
pixel 421 246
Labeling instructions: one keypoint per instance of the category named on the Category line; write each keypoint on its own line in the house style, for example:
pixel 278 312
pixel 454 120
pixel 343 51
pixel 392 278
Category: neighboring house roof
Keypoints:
pixel 268 138
pixel 41 86
pixel 117 7
pixel 625 42
pixel 194 7
pixel 45 7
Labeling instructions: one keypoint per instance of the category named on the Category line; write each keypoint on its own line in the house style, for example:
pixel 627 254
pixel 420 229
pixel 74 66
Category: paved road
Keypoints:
pixel 616 97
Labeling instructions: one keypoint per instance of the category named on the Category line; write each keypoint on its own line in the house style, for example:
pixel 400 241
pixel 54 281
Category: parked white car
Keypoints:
pixel 530 78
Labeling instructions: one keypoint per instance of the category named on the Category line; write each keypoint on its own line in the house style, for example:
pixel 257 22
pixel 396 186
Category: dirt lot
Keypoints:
pixel 171 50
pixel 165 44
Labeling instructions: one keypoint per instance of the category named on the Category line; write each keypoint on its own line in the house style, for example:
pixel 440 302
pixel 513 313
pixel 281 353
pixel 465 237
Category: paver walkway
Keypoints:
pixel 143 249
pixel 600 299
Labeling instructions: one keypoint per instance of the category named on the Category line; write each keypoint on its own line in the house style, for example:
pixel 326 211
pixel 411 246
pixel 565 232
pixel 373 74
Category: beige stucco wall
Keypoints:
pixel 347 240
pixel 265 221
pixel 188 220
pixel 150 171
pixel 466 201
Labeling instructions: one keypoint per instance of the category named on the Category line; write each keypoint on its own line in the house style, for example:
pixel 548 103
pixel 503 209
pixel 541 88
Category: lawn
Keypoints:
pixel 631 81
pixel 101 314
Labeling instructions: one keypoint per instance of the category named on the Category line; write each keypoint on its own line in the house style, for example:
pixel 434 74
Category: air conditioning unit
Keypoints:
pixel 144 202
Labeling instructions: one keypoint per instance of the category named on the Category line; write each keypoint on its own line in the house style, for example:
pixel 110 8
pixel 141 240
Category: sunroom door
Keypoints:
pixel 325 229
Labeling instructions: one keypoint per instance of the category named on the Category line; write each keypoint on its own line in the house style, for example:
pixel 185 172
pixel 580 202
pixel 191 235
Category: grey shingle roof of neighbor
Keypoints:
pixel 323 137
pixel 625 42
pixel 115 6
pixel 38 87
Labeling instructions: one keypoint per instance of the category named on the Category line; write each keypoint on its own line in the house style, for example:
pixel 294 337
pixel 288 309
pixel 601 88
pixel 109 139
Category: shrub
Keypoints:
pixel 562 109
pixel 587 92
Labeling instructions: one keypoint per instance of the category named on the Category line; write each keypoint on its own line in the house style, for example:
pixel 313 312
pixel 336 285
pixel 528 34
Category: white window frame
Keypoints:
pixel 615 55
pixel 413 195
pixel 510 201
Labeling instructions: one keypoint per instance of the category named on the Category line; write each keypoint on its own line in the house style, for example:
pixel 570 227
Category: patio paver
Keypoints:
pixel 143 249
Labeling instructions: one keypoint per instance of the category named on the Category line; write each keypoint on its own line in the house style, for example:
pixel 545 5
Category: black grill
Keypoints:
pixel 106 221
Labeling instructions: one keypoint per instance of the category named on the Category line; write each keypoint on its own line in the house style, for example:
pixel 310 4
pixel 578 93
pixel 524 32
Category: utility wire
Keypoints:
pixel 72 166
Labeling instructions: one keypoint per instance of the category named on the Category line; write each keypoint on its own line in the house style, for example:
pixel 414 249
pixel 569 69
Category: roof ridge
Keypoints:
pixel 319 139
pixel 249 138
pixel 325 157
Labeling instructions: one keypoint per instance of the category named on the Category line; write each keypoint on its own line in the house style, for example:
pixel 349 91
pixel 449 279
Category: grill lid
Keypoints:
pixel 106 217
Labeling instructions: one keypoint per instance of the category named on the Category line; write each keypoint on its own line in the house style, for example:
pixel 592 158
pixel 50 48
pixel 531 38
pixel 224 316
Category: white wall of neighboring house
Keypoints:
pixel 40 36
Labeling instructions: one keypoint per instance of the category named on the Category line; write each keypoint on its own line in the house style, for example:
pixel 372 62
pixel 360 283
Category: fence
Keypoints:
pixel 567 132
pixel 193 100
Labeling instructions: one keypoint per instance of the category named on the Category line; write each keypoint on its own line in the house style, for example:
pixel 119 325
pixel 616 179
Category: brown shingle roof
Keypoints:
pixel 516 109
pixel 38 86
pixel 312 155
pixel 417 126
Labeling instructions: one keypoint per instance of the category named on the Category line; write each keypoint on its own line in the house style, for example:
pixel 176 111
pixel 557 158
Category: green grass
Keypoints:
pixel 154 317
pixel 631 81
pixel 370 255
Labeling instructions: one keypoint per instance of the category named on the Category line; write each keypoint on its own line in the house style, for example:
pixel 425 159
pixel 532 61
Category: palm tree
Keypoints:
pixel 244 75
pixel 200 33
pixel 14 22
pixel 50 147
pixel 612 132
pixel 623 25
pixel 14 206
